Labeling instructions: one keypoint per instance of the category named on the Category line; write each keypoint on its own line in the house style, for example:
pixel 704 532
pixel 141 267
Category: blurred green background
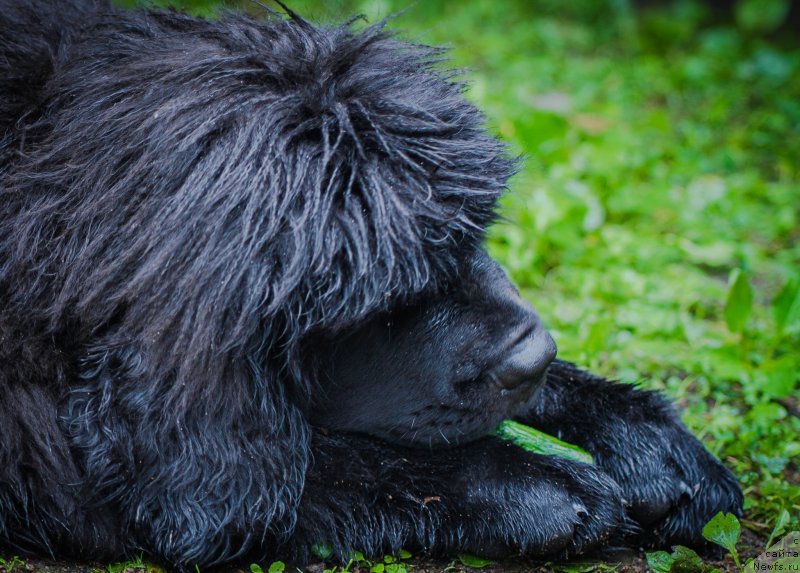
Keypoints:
pixel 656 222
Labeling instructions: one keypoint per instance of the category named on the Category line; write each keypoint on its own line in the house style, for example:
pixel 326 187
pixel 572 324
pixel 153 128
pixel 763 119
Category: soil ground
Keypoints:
pixel 750 545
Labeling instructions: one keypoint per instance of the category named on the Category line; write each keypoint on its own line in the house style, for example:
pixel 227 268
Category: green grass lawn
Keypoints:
pixel 655 224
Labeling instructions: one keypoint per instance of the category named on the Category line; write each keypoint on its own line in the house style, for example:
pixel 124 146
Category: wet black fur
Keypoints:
pixel 186 208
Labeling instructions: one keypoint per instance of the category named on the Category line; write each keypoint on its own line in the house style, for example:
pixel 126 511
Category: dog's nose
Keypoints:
pixel 526 361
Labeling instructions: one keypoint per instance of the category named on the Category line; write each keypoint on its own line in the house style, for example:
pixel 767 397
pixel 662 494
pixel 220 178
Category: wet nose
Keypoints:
pixel 526 361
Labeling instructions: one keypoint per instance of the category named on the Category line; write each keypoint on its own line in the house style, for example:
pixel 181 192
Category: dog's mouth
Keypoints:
pixel 449 425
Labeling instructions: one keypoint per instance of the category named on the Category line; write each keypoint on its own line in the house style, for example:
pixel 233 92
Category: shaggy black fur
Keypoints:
pixel 245 309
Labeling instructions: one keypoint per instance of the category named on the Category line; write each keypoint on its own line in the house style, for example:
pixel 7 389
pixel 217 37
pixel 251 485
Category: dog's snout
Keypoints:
pixel 526 361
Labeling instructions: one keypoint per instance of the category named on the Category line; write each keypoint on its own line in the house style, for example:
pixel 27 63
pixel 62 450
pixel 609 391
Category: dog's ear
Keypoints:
pixel 202 183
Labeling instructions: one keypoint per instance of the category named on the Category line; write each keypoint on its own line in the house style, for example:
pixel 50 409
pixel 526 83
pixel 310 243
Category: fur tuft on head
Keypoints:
pixel 33 34
pixel 209 184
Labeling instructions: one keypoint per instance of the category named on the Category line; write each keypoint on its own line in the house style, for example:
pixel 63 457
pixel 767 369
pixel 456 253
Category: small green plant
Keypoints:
pixel 8 565
pixel 538 442
pixel 738 302
pixel 681 560
pixel 389 564
pixel 724 530
pixel 473 561
pixel 275 567
pixel 781 526
pixel 322 550
pixel 137 563
pixel 786 306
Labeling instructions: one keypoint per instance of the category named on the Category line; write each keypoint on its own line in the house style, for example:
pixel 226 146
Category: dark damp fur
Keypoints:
pixel 254 160
pixel 191 213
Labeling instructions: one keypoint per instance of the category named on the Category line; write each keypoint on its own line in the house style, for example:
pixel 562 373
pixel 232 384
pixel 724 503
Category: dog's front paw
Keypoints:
pixel 539 505
pixel 706 487
pixel 672 485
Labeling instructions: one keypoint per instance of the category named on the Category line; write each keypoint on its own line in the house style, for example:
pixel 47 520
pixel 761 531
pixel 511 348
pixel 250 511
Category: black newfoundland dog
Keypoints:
pixel 245 309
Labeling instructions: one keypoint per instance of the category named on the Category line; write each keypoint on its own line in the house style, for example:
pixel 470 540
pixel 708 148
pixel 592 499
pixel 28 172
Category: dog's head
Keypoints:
pixel 442 370
pixel 247 186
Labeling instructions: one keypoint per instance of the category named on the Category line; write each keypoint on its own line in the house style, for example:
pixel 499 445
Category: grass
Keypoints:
pixel 656 222
pixel 11 564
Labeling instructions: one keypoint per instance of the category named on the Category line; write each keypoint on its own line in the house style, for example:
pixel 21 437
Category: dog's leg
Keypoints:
pixel 488 498
pixel 193 479
pixel 672 484
pixel 41 505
